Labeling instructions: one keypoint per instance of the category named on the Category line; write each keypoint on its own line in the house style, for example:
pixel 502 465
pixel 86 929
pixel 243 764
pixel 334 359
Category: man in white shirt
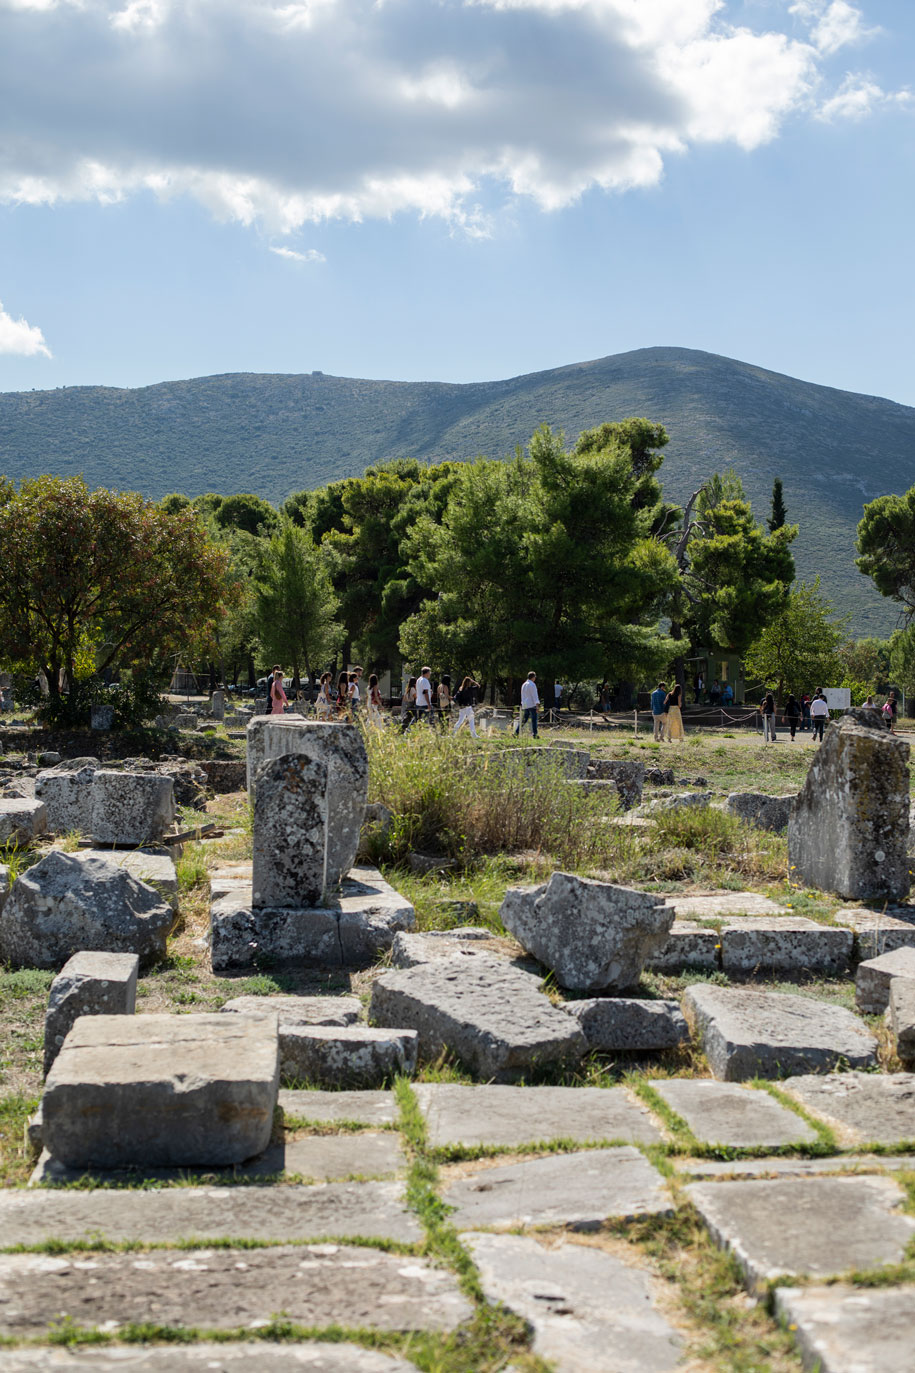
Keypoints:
pixel 530 700
pixel 424 695
pixel 819 714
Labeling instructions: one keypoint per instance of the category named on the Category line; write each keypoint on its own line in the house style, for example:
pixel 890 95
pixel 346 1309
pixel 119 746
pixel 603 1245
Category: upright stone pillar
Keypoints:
pixel 218 705
pixel 290 832
pixel 849 825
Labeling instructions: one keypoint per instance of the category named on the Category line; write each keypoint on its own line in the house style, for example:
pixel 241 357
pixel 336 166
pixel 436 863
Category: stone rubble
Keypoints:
pixel 758 809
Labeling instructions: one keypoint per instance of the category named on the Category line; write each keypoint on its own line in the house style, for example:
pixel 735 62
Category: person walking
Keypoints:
pixel 819 714
pixel 324 706
pixel 343 695
pixel 465 699
pixel 890 711
pixel 767 709
pixel 805 713
pixel 792 714
pixel 557 697
pixel 530 702
pixel 408 706
pixel 373 702
pixel 443 700
pixel 424 695
pixel 659 710
pixel 673 725
pixel 278 698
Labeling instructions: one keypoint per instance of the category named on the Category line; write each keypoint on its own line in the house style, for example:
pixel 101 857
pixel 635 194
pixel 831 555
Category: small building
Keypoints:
pixel 716 664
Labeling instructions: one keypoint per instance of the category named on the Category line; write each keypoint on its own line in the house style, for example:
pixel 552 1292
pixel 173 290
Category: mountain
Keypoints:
pixel 272 434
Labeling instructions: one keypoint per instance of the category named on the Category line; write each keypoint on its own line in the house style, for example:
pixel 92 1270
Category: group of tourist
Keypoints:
pixel 667 713
pixel 812 713
pixel 436 707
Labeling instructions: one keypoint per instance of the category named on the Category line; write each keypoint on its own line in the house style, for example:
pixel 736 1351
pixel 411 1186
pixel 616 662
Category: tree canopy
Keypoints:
pixel 799 648
pixel 886 547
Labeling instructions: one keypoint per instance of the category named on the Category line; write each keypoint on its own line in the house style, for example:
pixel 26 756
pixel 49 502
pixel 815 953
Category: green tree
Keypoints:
pixel 886 547
pixel 295 603
pixel 799 648
pixel 248 512
pixel 174 502
pixel 867 661
pixel 779 514
pixel 902 660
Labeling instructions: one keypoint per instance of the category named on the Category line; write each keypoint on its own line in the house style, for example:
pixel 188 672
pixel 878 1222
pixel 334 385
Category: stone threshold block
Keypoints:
pixel 689 945
pixel 561 1291
pixel 350 930
pixel 353 1056
pixel 506 1117
pixel 311 1355
pixel 748 1033
pixel 173 1215
pixel 162 1090
pixel 579 1190
pixel 840 1328
pixel 88 984
pixel 816 1226
pixel 784 944
pixel 365 1108
pixel 313 1285
pixel 621 1024
pixel 155 867
pixel 727 1114
pixel 873 978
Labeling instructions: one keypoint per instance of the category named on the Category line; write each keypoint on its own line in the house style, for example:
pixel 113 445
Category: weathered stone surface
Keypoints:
pixel 410 950
pixel 620 1024
pixel 506 1117
pixel 299 1010
pixel 561 1291
pixel 868 1108
pixel 784 943
pixel 65 904
pixel 313 1355
pixel 688 945
pixel 224 774
pixel 593 935
pixel 355 1154
pixel 873 977
pixel 756 808
pixel 491 1015
pixel 792 1165
pixel 342 749
pixel 313 1285
pixel 879 932
pixel 155 867
pixel 131 807
pixel 368 1108
pixel 89 983
pixel 579 1190
pixel 627 775
pixel 218 705
pixel 748 1033
pixel 171 1215
pixel 901 1017
pixel 290 833
pixel 354 1056
pixel 22 819
pixel 67 795
pixel 819 1226
pixel 4 885
pixel 691 800
pixel 161 1089
pixel 101 717
pixel 185 720
pixel 724 905
pixel 740 1117
pixel 841 1329
pixel 849 825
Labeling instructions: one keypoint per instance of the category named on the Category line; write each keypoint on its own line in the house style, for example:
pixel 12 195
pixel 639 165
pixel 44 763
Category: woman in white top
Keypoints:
pixel 324 704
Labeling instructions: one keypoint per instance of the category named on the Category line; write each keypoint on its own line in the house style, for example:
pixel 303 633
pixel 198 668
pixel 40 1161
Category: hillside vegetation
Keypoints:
pixel 273 434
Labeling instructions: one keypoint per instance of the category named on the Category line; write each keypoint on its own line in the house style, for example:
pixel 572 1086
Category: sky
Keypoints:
pixel 454 190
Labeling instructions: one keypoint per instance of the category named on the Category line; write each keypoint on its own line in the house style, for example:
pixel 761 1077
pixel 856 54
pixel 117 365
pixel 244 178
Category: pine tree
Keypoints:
pixel 779 514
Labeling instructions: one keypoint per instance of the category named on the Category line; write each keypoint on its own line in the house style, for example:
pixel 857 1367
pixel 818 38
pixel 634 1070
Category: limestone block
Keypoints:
pixel 185 720
pixel 864 1108
pixel 488 1013
pixel 131 807
pixel 841 1328
pixel 65 904
pixel 22 819
pixel 688 945
pixel 224 774
pixel 90 983
pixel 757 808
pixel 506 1117
pixel 690 800
pixel 849 825
pixel 629 778
pixel 781 943
pixel 748 1033
pixel 162 1090
pixel 901 1016
pixel 340 746
pixel 409 950
pixel 67 795
pixel 732 1116
pixel 307 1356
pixel 873 978
pixel 351 1056
pixel 879 932
pixel 155 867
pixel 366 1108
pixel 218 705
pixel 593 935
pixel 623 1024
pixel 290 832
pixel 298 1010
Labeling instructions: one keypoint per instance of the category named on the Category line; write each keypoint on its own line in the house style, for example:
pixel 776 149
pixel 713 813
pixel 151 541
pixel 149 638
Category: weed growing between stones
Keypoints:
pixel 14 1162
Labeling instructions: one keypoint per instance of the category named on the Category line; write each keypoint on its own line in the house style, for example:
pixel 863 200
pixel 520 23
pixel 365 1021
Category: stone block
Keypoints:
pixel 185 720
pixel 614 1024
pixel 879 932
pixel 843 1329
pixel 593 935
pixel 724 905
pixel 218 705
pixel 627 776
pixel 864 1108
pixel 101 717
pixel 873 977
pixel 410 950
pixel 133 808
pixel 748 1033
pixel 688 945
pixel 758 809
pixel 22 819
pixel 315 1356
pixel 723 1113
pixel 901 1017
pixel 224 774
pixel 691 800
pixel 849 825
pixel 354 1154
pixel 340 746
pixel 784 944
pixel 65 904
pixel 508 1117
pixel 89 983
pixel 298 1010
pixel 172 1091
pixel 67 795
pixel 489 1014
pixel 353 1056
pixel 155 867
pixel 290 832
pixel 366 1108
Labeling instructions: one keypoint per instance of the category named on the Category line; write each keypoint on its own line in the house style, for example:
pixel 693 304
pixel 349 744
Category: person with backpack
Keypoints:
pixel 465 700
pixel 792 714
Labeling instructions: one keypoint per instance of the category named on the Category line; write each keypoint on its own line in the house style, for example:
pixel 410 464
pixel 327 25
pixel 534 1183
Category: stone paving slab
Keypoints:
pixel 791 1165
pixel 167 1215
pixel 741 1117
pixel 562 1291
pixel 868 1108
pixel 314 1356
pixel 314 1285
pixel 363 1153
pixel 816 1226
pixel 784 943
pixel 879 932
pixel 688 945
pixel 844 1329
pixel 300 1010
pixel 369 1108
pixel 580 1190
pixel 723 905
pixel 507 1116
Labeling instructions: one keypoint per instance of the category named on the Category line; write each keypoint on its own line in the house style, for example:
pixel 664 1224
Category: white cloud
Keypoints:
pixel 289 112
pixel 833 24
pixel 310 254
pixel 18 336
pixel 858 97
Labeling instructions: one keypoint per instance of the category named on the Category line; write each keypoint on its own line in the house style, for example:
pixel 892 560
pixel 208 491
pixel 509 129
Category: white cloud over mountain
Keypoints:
pixel 289 113
pixel 18 336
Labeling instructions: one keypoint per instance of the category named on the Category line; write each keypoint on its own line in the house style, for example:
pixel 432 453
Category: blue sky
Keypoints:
pixel 454 190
